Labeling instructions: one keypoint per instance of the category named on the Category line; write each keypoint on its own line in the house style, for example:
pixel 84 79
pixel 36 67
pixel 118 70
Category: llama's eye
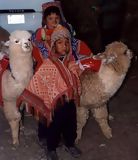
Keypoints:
pixel 29 39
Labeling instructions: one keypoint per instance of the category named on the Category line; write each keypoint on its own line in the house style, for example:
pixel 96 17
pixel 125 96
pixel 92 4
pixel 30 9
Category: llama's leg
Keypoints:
pixel 101 116
pixel 82 116
pixel 13 117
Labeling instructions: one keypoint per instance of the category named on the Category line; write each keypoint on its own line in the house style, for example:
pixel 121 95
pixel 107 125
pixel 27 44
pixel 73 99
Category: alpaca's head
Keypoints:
pixel 118 54
pixel 118 49
pixel 20 41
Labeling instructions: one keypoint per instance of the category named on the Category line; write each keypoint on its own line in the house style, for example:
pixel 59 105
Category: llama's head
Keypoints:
pixel 19 40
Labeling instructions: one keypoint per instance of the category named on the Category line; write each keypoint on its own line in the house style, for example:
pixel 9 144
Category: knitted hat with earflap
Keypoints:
pixel 59 32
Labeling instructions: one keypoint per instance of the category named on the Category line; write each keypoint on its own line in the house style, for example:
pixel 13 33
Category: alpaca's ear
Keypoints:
pixel 6 44
pixel 98 56
pixel 110 58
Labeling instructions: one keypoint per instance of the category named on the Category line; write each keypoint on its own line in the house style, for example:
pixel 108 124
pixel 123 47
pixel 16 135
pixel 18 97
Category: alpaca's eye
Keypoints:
pixel 125 53
pixel 16 41
pixel 29 39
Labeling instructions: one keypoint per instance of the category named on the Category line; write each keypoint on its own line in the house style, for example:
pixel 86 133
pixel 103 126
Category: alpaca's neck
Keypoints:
pixel 110 79
pixel 21 67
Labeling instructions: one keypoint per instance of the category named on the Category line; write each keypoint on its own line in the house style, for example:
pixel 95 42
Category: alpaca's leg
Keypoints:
pixel 22 112
pixel 14 124
pixel 13 117
pixel 82 116
pixel 101 116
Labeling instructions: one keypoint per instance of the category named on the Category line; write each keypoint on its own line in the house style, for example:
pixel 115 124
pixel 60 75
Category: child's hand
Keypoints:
pixel 74 68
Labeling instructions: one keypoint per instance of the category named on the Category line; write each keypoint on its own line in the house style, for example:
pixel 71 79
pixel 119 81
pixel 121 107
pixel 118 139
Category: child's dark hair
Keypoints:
pixel 48 11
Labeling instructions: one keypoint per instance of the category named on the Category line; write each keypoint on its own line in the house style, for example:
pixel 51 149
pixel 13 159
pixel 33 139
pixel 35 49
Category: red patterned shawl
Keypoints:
pixel 51 81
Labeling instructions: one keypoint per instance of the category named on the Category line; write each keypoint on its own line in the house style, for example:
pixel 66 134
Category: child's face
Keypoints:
pixel 52 20
pixel 62 46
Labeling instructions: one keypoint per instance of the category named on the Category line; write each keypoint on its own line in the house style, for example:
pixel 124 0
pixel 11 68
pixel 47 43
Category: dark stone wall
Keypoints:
pixel 130 29
pixel 4 35
pixel 80 14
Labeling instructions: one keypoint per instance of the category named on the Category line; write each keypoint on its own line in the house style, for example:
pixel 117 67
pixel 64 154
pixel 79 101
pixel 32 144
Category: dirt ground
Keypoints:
pixel 123 146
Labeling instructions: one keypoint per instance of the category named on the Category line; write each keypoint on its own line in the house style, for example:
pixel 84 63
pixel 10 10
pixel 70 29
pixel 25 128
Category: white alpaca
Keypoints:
pixel 15 80
pixel 99 87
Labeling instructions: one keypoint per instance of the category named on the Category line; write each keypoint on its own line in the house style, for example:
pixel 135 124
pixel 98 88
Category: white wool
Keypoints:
pixel 19 34
pixel 20 54
pixel 21 62
pixel 15 80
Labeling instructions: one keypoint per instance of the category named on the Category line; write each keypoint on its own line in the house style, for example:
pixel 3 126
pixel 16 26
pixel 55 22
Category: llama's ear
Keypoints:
pixel 7 43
